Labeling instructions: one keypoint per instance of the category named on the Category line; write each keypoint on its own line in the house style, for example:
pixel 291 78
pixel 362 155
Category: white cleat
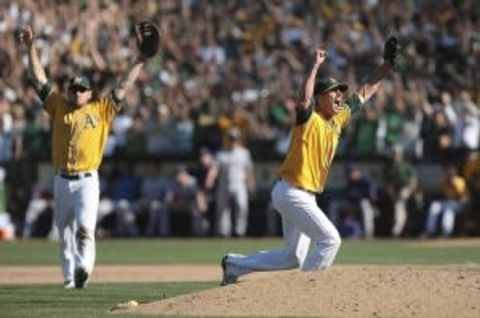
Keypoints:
pixel 68 284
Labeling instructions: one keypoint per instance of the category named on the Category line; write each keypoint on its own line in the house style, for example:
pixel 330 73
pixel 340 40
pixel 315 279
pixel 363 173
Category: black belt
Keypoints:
pixel 75 176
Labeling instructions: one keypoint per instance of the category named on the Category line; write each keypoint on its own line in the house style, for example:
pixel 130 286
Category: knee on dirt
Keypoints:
pixel 332 243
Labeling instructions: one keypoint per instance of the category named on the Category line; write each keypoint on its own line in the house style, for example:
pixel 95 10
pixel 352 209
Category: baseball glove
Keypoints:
pixel 148 39
pixel 390 50
pixel 396 55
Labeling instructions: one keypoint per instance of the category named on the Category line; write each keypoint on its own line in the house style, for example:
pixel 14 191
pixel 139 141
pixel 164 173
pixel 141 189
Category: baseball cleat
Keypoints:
pixel 81 278
pixel 68 284
pixel 228 278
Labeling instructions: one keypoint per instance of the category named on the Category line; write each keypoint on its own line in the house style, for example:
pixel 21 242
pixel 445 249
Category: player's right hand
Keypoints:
pixel 25 36
pixel 320 56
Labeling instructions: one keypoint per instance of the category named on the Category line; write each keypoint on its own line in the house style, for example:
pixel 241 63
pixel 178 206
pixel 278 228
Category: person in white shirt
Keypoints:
pixel 234 180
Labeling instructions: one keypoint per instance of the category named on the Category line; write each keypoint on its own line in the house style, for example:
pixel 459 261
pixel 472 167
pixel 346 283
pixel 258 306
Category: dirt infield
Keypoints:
pixel 104 274
pixel 343 291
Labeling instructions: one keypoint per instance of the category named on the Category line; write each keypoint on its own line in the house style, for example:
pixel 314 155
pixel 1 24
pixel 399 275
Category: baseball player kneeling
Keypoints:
pixel 312 241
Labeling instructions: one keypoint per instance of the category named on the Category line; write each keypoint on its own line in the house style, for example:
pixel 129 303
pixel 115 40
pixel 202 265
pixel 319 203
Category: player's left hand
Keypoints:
pixel 148 39
pixel 396 55
pixel 390 50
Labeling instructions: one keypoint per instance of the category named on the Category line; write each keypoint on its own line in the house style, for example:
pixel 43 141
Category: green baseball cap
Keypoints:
pixel 80 81
pixel 328 84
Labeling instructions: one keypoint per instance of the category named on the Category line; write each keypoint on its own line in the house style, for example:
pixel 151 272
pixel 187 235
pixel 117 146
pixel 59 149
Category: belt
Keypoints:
pixel 75 176
pixel 299 188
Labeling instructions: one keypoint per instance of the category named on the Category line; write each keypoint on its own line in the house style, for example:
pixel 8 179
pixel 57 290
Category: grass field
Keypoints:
pixel 52 301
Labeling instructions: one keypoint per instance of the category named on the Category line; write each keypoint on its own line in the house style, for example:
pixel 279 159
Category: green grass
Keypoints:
pixel 205 251
pixel 51 301
pixel 36 301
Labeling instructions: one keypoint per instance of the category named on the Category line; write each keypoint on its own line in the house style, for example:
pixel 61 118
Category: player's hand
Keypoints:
pixel 390 50
pixel 25 36
pixel 320 56
pixel 148 39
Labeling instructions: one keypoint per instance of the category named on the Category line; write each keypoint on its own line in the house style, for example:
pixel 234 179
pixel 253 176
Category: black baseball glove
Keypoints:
pixel 390 50
pixel 148 39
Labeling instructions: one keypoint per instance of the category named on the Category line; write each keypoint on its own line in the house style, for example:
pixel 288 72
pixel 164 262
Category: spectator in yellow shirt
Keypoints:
pixel 453 200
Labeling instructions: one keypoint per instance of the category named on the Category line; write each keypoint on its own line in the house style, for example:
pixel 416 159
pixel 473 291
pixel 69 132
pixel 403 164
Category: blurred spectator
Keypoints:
pixel 235 179
pixel 400 183
pixel 210 63
pixel 391 125
pixel 41 204
pixel 124 191
pixel 7 228
pixel 6 138
pixel 451 202
pixel 470 120
pixel 206 172
pixel 471 173
pixel 440 143
pixel 364 134
pixel 182 203
pixel 350 226
pixel 152 201
pixel 135 139
pixel 358 199
pixel 216 73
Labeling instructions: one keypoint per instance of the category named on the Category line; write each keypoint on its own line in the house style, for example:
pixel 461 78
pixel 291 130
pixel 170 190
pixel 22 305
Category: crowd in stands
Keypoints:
pixel 239 64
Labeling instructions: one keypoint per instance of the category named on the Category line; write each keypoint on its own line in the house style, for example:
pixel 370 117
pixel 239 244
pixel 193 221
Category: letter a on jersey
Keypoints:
pixel 90 121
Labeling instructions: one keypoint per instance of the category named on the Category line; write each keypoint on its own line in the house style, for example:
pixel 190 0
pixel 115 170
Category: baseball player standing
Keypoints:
pixel 312 241
pixel 80 126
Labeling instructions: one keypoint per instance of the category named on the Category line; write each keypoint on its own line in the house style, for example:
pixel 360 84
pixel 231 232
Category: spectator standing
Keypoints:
pixel 182 203
pixel 400 182
pixel 357 202
pixel 361 193
pixel 363 137
pixel 6 139
pixel 235 179
pixel 206 173
pixel 152 200
pixel 390 126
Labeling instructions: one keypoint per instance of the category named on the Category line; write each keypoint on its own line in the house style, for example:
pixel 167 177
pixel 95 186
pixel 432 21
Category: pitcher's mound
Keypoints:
pixel 343 291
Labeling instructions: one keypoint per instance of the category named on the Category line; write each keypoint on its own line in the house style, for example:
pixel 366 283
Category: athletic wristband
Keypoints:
pixel 44 90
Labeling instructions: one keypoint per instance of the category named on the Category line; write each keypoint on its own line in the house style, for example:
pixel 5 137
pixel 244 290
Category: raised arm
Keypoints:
pixel 148 38
pixel 306 95
pixel 373 83
pixel 40 79
pixel 128 80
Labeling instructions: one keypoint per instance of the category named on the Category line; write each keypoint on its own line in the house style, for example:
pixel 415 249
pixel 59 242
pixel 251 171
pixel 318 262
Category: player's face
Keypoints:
pixel 331 102
pixel 80 96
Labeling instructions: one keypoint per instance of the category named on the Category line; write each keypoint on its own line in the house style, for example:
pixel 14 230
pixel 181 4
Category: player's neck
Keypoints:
pixel 324 114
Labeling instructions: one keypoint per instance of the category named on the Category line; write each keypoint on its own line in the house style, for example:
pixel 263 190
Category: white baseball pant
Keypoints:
pixel 312 241
pixel 76 209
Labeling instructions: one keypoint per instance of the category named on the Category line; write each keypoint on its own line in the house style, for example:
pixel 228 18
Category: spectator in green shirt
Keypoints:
pixel 400 183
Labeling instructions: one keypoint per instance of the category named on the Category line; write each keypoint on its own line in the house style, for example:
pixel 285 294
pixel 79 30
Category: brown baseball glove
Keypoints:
pixel 148 39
